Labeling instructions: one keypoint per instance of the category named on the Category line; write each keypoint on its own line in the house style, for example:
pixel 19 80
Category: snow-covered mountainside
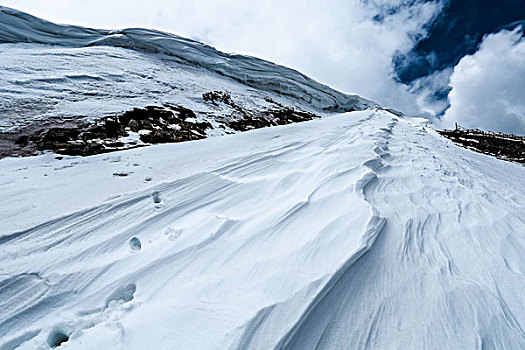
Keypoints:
pixel 360 230
pixel 49 69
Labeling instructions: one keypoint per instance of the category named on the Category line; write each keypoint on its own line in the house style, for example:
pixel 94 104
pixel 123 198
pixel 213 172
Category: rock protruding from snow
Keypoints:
pixel 136 128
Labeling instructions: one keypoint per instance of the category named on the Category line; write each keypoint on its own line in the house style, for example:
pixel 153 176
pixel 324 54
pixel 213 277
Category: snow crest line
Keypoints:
pixel 374 227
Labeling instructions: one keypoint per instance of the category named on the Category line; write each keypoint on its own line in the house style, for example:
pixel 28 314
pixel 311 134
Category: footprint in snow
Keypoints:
pixel 122 174
pixel 122 294
pixel 135 244
pixel 56 338
pixel 156 199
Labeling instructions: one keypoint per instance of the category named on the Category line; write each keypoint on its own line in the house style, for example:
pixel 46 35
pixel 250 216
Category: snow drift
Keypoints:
pixel 361 230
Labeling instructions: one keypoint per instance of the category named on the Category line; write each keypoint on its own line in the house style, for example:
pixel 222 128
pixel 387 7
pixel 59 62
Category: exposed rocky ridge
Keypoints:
pixel 143 126
pixel 503 146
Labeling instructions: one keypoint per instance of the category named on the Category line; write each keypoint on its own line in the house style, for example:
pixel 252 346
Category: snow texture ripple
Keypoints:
pixel 361 230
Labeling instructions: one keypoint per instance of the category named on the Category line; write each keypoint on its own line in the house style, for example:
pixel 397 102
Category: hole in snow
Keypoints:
pixel 121 174
pixel 123 294
pixel 156 197
pixel 135 244
pixel 57 338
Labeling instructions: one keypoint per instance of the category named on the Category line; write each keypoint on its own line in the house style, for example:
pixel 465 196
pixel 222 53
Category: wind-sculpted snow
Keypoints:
pixel 447 268
pixel 19 27
pixel 209 249
pixel 360 230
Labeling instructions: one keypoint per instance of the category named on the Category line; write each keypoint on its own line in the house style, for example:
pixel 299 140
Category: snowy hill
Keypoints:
pixel 90 72
pixel 358 230
pixel 57 76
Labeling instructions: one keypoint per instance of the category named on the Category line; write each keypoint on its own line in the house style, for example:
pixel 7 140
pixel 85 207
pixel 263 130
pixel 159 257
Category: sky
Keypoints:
pixel 450 60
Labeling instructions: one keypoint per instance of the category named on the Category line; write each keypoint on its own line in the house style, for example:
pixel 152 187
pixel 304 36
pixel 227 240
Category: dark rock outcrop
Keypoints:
pixel 503 146
pixel 154 124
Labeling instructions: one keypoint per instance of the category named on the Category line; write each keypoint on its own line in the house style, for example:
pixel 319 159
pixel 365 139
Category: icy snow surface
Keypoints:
pixel 361 230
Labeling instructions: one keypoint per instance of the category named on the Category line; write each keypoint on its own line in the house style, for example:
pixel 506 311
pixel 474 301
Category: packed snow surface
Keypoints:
pixel 361 230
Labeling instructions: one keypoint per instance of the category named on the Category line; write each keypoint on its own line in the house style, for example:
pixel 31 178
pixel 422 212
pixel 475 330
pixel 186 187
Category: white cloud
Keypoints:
pixel 334 41
pixel 429 92
pixel 488 87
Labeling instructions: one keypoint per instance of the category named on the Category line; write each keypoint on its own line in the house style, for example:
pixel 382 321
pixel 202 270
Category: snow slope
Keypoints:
pixel 41 81
pixel 361 230
pixel 67 64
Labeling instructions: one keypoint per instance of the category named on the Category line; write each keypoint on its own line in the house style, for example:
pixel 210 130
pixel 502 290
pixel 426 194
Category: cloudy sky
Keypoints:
pixel 457 60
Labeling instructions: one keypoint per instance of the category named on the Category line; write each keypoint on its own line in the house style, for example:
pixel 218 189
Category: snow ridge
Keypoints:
pixel 256 331
pixel 19 27
pixel 374 228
